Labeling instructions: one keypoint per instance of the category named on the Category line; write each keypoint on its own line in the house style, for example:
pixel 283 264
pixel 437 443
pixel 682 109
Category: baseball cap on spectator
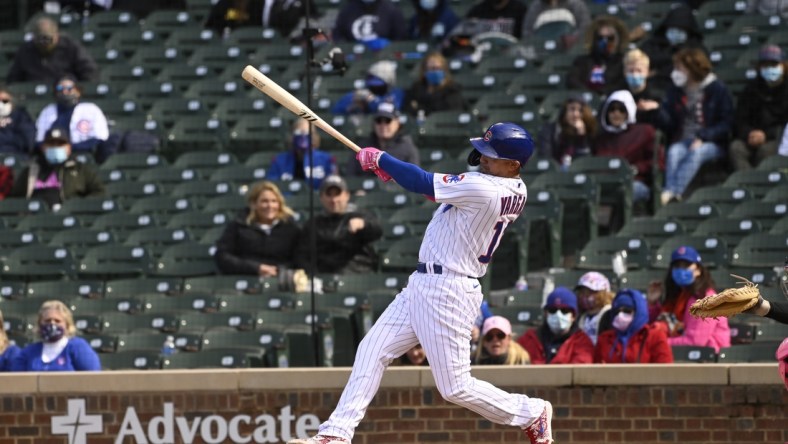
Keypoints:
pixel 594 281
pixel 497 322
pixel 685 253
pixel 56 136
pixel 770 53
pixel 383 70
pixel 387 109
pixel 333 181
pixel 561 297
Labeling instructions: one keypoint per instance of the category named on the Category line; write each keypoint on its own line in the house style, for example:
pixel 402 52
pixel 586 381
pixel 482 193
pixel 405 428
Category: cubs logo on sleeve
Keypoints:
pixel 453 178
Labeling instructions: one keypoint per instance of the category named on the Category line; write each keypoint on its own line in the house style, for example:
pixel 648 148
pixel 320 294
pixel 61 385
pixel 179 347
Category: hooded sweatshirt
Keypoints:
pixel 632 141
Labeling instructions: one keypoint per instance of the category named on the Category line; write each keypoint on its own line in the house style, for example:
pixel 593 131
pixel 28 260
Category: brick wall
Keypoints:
pixel 647 404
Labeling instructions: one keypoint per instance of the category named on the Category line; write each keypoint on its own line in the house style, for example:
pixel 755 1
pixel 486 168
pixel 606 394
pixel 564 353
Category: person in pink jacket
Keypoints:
pixel 687 281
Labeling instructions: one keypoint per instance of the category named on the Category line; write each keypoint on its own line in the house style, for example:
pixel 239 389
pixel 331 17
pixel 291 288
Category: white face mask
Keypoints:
pixel 679 78
pixel 622 321
pixel 5 109
pixel 559 322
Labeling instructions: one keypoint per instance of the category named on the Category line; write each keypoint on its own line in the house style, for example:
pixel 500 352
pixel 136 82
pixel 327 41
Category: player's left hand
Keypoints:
pixel 368 159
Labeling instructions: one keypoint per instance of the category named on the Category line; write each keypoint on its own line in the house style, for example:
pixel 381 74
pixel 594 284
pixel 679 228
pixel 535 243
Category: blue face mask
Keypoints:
pixel 434 76
pixel 301 142
pixel 51 332
pixel 635 81
pixel 772 73
pixel 56 155
pixel 676 36
pixel 428 5
pixel 682 276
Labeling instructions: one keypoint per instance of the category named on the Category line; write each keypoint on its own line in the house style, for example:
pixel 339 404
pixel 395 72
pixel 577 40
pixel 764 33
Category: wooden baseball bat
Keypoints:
pixel 289 101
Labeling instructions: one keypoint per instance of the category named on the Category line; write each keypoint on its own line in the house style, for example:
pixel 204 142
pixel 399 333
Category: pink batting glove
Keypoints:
pixel 384 176
pixel 368 158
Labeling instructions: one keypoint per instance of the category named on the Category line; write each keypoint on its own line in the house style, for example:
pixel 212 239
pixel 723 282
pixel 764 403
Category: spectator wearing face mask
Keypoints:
pixel 432 20
pixel 621 136
pixel 60 349
pixel 508 14
pixel 17 130
pixel 497 347
pixel 374 22
pixel 570 135
pixel 434 90
pixel 294 164
pixel 687 280
pixel 559 340
pixel 85 122
pixel 678 30
pixel 697 116
pixel 594 298
pixel 55 175
pixel 388 134
pixel 379 87
pixel 761 111
pixel 632 340
pixel 636 73
pixel 8 351
pixel 601 69
pixel 49 56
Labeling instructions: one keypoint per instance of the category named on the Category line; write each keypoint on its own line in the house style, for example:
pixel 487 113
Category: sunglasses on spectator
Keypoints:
pixel 564 310
pixel 65 87
pixel 616 107
pixel 495 335
pixel 627 310
pixel 5 100
pixel 382 120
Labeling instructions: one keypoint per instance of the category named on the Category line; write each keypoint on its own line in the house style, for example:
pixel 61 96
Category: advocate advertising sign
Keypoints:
pixel 77 424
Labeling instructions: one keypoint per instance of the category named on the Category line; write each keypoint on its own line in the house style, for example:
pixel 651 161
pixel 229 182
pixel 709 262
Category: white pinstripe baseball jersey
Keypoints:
pixel 466 229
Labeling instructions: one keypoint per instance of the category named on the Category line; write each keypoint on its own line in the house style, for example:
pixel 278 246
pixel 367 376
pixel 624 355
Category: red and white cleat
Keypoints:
pixel 320 439
pixel 541 430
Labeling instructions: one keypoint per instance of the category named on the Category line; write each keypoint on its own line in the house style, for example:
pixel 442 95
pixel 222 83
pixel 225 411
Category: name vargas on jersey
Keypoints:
pixel 512 205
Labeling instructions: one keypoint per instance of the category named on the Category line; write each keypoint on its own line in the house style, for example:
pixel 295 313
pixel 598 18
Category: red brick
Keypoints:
pixel 620 424
pixel 587 436
pixel 640 436
pixel 693 435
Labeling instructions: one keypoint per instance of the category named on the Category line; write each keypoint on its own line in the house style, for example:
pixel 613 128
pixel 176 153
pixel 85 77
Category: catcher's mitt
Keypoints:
pixel 728 302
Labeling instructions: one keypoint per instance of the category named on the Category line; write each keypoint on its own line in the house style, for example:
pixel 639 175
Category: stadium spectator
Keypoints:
pixel 434 90
pixel 570 135
pixel 17 130
pixel 374 22
pixel 506 15
pixel 761 111
pixel 678 30
pixel 281 15
pixel 8 352
pixel 632 339
pixel 498 348
pixel 380 86
pixel 687 280
pixel 432 20
pixel 621 136
pixel 263 240
pixel 768 8
pixel 777 310
pixel 51 55
pixel 55 175
pixel 601 70
pixel 60 349
pixel 636 74
pixel 294 164
pixel 344 237
pixel 6 180
pixel 594 300
pixel 389 134
pixel 559 340
pixel 85 123
pixel 142 8
pixel 414 356
pixel 697 116
pixel 560 19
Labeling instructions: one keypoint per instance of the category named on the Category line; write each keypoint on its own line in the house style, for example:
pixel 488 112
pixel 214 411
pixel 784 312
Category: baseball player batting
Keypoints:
pixel 438 306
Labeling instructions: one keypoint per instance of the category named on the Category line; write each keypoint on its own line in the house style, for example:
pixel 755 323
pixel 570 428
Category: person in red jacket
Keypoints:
pixel 559 340
pixel 632 339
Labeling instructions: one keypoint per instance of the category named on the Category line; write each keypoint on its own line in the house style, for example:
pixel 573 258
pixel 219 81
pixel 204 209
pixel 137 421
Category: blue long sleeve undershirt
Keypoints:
pixel 409 176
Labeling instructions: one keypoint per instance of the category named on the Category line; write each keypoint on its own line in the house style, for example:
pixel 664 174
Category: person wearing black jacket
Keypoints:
pixel 368 21
pixel 434 90
pixel 387 133
pixel 282 15
pixel 344 237
pixel 17 130
pixel 264 240
pixel 601 70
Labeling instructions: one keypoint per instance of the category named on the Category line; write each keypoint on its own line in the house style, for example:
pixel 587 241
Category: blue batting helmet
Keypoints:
pixel 504 140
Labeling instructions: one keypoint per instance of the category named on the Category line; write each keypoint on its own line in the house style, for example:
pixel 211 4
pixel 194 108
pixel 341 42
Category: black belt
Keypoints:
pixel 421 267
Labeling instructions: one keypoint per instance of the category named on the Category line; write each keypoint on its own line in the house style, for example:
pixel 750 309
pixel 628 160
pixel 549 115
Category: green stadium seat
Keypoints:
pixel 67 289
pixel 640 279
pixel 115 262
pixel 14 208
pixel 78 240
pixel 167 176
pixel 776 194
pixel 131 360
pixel 121 222
pixel 759 182
pixel 724 198
pixel 253 135
pixel 157 239
pixel 116 288
pixel 652 230
pixel 100 307
pixel 760 250
pixel 540 226
pixel 144 339
pixel 155 58
pixel 238 175
pixel 448 130
pixel 161 205
pixel 121 75
pixel 168 111
pixel 251 38
pixel 238 320
pixel 299 331
pixel 217 358
pixel 524 315
pixel 402 256
pixel 233 109
pixel 133 161
pixel 771 331
pixel 713 250
pixel 693 353
pixel 724 278
pixel 225 285
pixel 126 323
pixel 767 213
pixel 11 239
pixel 229 204
pixel 165 21
pixel 742 332
pixel 107 22
pixel 12 290
pixel 273 300
pixel 197 221
pixel 89 206
pixel 598 253
pixel 186 259
pixel 146 94
pixel 127 191
pixel 196 132
pixel 184 75
pixel 211 91
pixel 690 214
pixel 187 40
pixel 218 57
pixel 37 262
pixel 182 303
pixel 755 352
pixel 614 177
pixel 273 341
pixel 781 226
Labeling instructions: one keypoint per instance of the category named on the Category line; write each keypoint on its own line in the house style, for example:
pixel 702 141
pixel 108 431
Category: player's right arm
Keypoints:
pixel 409 176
